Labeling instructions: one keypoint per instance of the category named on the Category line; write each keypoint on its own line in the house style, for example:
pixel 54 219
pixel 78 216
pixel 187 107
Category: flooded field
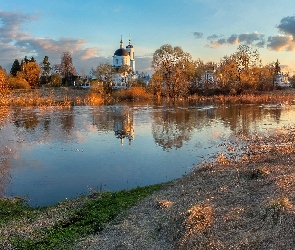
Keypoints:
pixel 50 154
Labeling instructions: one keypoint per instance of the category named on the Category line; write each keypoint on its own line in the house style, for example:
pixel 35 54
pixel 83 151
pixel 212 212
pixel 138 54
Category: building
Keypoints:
pixel 123 56
pixel 281 80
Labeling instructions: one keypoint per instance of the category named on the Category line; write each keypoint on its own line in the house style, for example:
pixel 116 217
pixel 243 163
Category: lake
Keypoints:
pixel 51 154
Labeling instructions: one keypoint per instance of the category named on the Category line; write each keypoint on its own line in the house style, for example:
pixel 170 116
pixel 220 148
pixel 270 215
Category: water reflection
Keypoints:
pixel 170 127
pixel 123 124
pixel 60 152
pixel 5 151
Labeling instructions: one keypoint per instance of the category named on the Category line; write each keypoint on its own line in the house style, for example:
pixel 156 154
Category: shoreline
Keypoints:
pixel 240 201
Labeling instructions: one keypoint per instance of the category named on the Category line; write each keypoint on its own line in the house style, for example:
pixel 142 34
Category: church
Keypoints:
pixel 123 56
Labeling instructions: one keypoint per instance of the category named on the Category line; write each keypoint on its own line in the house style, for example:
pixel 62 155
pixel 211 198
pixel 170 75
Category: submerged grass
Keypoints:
pixel 59 226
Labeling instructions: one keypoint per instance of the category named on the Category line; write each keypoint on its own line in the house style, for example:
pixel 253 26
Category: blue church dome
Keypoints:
pixel 121 52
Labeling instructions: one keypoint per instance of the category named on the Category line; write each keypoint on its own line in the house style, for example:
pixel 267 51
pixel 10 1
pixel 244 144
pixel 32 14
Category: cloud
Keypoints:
pixel 287 25
pixel 15 44
pixel 285 41
pixel 254 39
pixel 281 43
pixel 198 35
pixel 11 25
pixel 88 53
pixel 213 37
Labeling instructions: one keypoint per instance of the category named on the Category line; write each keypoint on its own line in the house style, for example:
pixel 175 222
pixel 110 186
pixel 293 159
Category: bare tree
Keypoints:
pixel 67 68
pixel 104 73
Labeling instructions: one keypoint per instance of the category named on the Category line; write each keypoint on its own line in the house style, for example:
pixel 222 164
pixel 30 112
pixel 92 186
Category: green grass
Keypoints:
pixel 89 218
pixel 11 209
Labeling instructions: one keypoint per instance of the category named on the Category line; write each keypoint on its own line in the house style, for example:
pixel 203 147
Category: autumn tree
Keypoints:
pixel 248 60
pixel 15 67
pixel 67 68
pixel 56 80
pixel 3 84
pixel 104 73
pixel 240 71
pixel 155 84
pixel 31 73
pixel 228 75
pixel 176 68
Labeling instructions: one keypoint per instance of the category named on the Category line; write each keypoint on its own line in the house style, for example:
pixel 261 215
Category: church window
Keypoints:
pixel 117 61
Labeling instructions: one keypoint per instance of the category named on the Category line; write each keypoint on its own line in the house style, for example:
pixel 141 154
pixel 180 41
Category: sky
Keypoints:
pixel 91 30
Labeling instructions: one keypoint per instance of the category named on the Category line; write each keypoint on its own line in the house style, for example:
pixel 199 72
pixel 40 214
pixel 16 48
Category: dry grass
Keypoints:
pixel 285 96
pixel 61 96
pixel 134 94
pixel 244 199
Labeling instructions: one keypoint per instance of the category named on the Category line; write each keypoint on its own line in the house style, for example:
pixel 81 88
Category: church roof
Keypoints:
pixel 129 46
pixel 121 52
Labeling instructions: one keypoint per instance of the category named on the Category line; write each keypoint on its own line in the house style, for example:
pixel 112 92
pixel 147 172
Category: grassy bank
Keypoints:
pixel 59 226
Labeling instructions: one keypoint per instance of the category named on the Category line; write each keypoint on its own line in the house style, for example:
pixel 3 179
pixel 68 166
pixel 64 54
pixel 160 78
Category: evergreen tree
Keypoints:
pixel 45 66
pixel 26 59
pixel 15 67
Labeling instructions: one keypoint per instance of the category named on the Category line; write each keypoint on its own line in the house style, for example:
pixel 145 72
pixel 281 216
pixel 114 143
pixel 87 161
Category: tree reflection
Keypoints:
pixel 171 127
pixel 28 119
pixel 67 121
pixel 245 119
pixel 5 176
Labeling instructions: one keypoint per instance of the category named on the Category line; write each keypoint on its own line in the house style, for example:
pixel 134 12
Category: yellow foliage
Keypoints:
pixel 32 72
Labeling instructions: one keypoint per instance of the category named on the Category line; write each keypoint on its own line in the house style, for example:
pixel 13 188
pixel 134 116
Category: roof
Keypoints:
pixel 129 46
pixel 121 52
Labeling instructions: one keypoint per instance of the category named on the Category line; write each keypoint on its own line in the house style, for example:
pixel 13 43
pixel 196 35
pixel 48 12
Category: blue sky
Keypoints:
pixel 91 29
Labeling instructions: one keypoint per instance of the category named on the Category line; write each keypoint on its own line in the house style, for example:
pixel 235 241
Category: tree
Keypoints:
pixel 56 80
pixel 127 75
pixel 32 72
pixel 240 71
pixel 3 84
pixel 155 84
pixel 15 67
pixel 247 61
pixel 176 68
pixel 67 68
pixel 228 75
pixel 45 66
pixel 104 73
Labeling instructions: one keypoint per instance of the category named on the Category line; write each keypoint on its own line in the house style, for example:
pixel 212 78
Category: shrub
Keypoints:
pixel 17 83
pixel 56 80
pixel 133 94
pixel 3 83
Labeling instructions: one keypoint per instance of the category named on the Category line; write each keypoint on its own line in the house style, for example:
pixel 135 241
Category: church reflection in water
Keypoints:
pixel 124 125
